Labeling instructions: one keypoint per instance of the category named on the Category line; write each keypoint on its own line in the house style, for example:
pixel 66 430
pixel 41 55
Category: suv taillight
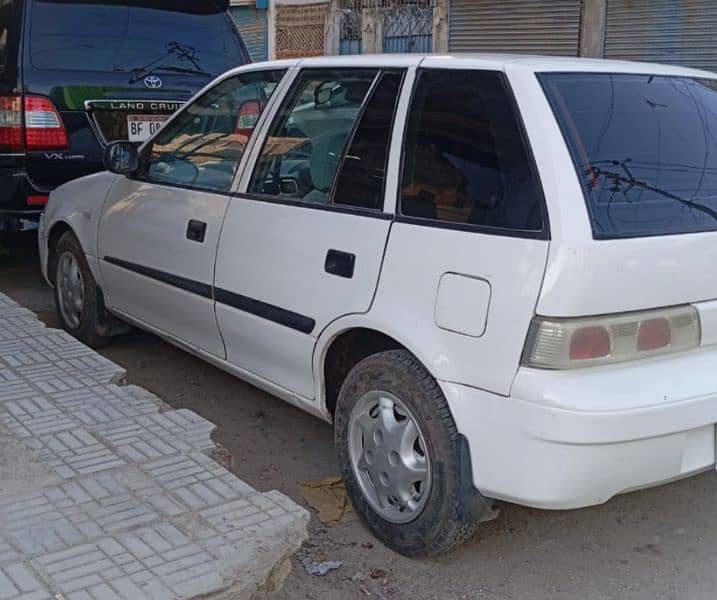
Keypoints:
pixel 591 341
pixel 35 126
pixel 43 126
pixel 11 134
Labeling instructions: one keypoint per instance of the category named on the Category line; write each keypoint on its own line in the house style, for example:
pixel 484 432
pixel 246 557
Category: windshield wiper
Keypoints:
pixel 173 69
pixel 631 182
pixel 182 52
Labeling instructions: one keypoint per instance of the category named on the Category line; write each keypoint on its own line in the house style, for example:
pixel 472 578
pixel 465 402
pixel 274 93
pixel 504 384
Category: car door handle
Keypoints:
pixel 340 263
pixel 196 230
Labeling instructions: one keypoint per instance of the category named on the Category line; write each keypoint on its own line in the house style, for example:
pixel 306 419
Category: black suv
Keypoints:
pixel 77 74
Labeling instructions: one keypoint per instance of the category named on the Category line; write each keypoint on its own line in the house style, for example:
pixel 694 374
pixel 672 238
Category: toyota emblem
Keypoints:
pixel 153 82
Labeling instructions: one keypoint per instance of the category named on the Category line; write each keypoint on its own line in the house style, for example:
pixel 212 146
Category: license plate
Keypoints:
pixel 141 127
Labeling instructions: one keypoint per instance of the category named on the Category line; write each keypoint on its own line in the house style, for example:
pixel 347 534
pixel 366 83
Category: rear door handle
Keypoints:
pixel 340 263
pixel 196 230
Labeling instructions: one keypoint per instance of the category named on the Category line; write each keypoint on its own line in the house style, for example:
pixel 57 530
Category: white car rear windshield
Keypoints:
pixel 645 149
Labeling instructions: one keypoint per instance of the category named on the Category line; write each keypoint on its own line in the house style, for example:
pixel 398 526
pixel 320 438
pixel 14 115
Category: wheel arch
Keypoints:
pixel 343 345
pixel 54 235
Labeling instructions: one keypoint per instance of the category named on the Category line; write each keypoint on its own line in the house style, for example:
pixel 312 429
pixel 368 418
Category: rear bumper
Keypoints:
pixel 574 439
pixel 15 189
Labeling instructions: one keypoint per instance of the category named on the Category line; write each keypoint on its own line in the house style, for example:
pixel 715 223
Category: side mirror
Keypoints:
pixel 121 158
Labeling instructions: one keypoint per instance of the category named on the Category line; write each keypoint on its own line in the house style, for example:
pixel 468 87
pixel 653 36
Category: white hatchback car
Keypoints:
pixel 492 273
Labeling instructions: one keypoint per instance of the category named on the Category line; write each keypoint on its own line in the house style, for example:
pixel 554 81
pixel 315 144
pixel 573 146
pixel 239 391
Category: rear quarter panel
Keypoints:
pixel 417 257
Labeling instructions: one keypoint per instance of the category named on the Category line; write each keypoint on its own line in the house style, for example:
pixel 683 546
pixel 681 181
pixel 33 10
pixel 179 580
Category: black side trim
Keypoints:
pixel 266 311
pixel 261 309
pixel 337 208
pixel 516 233
pixel 189 285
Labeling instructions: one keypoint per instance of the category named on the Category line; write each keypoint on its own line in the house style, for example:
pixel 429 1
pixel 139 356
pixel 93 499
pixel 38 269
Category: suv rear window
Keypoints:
pixel 645 149
pixel 9 43
pixel 109 35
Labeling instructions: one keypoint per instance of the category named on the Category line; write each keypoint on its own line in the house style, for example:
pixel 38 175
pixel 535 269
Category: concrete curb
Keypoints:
pixel 103 495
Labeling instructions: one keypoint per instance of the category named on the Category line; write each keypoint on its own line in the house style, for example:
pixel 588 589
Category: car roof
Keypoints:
pixel 535 63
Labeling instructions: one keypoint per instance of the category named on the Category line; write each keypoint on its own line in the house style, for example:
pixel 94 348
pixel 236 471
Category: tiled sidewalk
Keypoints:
pixel 106 493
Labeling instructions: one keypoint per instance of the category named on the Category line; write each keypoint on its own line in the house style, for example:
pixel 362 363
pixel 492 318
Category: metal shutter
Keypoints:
pixel 523 26
pixel 252 26
pixel 668 31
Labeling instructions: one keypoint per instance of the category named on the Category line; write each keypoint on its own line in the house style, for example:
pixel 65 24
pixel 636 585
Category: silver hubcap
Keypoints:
pixel 70 289
pixel 388 457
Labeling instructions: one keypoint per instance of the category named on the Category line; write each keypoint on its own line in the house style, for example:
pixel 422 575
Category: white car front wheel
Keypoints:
pixel 78 300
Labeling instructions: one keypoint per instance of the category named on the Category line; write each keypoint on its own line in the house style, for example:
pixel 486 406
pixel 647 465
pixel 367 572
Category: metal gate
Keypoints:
pixel 350 24
pixel 668 31
pixel 408 26
pixel 252 24
pixel 523 26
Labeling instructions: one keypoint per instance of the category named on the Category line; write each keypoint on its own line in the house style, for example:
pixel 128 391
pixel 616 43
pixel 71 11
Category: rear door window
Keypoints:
pixel 465 159
pixel 183 36
pixel 644 147
pixel 362 176
pixel 306 141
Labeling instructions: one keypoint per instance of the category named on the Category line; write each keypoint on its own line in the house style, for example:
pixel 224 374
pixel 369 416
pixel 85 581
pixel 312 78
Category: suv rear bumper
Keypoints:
pixel 15 189
pixel 573 439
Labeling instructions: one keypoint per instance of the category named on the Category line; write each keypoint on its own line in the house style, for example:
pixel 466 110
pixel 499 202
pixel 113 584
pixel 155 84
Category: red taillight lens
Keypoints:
pixel 35 126
pixel 11 135
pixel 43 126
pixel 249 114
pixel 589 342
pixel 654 334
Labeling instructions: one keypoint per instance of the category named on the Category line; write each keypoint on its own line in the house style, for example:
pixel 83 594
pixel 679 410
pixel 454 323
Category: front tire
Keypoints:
pixel 78 299
pixel 406 467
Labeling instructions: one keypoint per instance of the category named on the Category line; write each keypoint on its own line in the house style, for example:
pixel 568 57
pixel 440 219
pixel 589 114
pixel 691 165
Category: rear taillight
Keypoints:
pixel 33 124
pixel 249 114
pixel 43 126
pixel 11 134
pixel 589 341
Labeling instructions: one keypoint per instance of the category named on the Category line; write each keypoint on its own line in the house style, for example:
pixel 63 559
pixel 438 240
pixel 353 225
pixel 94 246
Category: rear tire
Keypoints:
pixel 78 300
pixel 379 449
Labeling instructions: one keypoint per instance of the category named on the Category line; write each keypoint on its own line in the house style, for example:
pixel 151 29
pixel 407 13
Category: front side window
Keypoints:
pixel 644 147
pixel 306 142
pixel 465 159
pixel 202 147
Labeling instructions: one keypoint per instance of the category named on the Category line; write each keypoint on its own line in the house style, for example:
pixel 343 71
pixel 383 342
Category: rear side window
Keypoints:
pixel 644 147
pixel 10 25
pixel 182 36
pixel 465 159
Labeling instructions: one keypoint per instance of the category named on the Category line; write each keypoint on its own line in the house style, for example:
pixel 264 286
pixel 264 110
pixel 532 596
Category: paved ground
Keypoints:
pixel 653 544
pixel 106 492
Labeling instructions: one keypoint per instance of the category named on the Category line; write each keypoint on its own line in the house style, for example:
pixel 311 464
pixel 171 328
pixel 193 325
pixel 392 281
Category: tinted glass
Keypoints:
pixel 306 142
pixel 362 176
pixel 107 35
pixel 9 43
pixel 203 145
pixel 465 160
pixel 645 149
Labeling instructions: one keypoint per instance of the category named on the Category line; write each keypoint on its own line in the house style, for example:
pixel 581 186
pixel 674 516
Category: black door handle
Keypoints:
pixel 340 263
pixel 196 230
